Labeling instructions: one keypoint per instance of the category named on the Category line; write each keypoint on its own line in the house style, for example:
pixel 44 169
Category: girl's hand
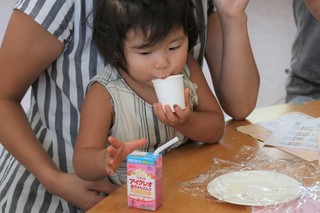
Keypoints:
pixel 231 8
pixel 176 118
pixel 117 152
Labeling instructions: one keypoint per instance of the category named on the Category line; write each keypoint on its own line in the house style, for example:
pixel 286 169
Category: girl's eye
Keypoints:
pixel 145 53
pixel 174 48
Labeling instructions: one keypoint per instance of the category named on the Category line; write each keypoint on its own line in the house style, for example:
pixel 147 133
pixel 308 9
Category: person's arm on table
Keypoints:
pixel 26 51
pixel 230 59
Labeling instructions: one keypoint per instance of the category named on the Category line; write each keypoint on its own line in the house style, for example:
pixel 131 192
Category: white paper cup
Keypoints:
pixel 170 91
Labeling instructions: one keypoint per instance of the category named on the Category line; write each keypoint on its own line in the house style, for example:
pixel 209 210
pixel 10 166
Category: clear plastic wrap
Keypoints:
pixel 307 173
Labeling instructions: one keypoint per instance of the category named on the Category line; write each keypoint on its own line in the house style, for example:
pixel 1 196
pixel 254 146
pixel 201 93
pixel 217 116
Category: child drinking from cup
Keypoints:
pixel 142 40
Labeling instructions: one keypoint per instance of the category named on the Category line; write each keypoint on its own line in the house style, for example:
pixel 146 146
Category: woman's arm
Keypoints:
pixel 230 60
pixel 27 49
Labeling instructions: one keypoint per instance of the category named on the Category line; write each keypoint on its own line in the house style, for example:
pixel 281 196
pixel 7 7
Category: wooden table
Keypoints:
pixel 192 159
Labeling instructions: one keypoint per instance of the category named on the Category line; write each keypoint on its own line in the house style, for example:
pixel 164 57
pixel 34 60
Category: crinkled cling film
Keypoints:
pixel 250 160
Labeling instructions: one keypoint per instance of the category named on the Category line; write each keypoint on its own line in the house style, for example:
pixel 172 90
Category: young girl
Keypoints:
pixel 141 41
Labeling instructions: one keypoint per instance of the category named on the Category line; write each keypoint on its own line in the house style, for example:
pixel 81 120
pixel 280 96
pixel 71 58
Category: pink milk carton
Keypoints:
pixel 144 180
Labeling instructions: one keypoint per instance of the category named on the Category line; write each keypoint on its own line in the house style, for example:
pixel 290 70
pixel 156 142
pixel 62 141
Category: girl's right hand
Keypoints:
pixel 177 118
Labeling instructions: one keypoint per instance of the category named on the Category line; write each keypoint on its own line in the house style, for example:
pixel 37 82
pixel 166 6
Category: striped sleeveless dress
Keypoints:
pixel 135 118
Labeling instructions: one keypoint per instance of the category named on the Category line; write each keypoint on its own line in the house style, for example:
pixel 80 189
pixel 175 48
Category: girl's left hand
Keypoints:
pixel 174 118
pixel 117 152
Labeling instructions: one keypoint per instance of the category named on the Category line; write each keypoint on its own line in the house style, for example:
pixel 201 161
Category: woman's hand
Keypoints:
pixel 178 117
pixel 81 193
pixel 231 9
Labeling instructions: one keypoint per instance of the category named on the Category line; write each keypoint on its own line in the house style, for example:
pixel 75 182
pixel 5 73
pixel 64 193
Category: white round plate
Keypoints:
pixel 254 188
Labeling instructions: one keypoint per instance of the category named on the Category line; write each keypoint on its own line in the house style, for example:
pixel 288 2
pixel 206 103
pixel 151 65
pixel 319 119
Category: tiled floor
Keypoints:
pixel 271 30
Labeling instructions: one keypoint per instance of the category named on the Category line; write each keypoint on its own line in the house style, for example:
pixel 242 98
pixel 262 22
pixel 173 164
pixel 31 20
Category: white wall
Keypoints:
pixel 271 29
pixel 5 11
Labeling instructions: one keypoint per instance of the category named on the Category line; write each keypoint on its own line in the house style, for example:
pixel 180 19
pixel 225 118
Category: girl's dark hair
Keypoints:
pixel 155 18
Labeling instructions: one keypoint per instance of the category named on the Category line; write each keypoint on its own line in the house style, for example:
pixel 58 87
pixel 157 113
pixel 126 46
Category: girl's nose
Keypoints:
pixel 162 67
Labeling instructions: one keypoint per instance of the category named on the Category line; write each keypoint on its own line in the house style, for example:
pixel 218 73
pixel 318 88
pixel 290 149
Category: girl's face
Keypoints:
pixel 165 58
